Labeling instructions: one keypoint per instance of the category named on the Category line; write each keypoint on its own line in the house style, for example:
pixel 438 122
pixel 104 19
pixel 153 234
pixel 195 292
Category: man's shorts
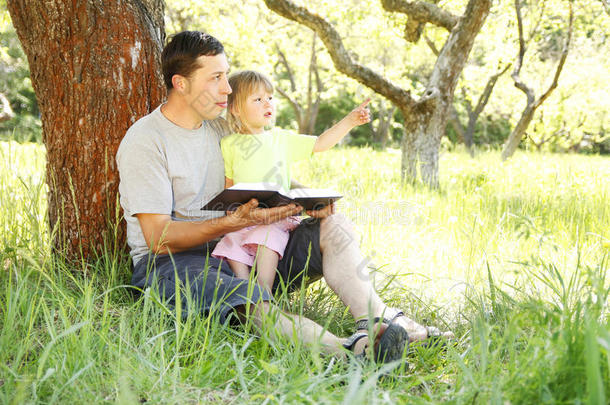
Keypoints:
pixel 208 284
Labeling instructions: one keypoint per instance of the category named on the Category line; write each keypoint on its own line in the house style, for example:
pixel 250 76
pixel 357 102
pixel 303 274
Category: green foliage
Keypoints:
pixel 573 119
pixel 17 87
pixel 512 257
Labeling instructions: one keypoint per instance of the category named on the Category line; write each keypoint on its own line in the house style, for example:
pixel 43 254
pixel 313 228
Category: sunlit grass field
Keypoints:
pixel 512 257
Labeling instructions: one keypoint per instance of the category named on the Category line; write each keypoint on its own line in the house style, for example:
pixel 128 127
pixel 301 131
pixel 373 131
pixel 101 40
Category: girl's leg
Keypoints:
pixel 266 265
pixel 230 250
pixel 240 270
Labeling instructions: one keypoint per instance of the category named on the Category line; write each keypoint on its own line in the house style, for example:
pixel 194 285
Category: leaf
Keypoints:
pixel 268 367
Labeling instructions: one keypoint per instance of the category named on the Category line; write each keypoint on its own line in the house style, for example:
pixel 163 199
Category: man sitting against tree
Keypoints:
pixel 170 165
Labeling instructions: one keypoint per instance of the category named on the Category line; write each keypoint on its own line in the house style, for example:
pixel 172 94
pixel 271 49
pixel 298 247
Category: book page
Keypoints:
pixel 312 193
pixel 257 187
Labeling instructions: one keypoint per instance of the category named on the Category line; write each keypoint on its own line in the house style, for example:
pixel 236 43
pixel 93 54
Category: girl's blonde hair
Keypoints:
pixel 243 84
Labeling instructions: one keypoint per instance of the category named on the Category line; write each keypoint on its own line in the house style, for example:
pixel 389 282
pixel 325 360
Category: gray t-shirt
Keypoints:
pixel 166 169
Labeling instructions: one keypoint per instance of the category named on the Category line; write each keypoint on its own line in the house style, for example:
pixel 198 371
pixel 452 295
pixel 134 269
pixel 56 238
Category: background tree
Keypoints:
pixel 6 112
pixel 532 101
pixel 305 108
pixel 473 114
pixel 95 70
pixel 425 117
pixel 382 118
pixel 16 86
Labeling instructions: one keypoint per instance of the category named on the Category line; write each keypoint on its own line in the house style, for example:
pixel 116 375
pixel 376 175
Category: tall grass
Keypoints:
pixel 512 257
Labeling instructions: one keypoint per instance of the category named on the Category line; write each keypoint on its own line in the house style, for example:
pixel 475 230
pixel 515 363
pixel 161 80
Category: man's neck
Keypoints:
pixel 180 114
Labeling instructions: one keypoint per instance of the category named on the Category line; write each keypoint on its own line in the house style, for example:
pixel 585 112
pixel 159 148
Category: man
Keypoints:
pixel 170 165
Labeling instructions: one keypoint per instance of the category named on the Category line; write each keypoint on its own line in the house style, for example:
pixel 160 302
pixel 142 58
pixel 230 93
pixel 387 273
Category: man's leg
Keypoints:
pixel 268 318
pixel 216 287
pixel 345 272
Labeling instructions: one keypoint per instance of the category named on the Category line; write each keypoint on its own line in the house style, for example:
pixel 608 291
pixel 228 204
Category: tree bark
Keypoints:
pixel 95 69
pixel 425 118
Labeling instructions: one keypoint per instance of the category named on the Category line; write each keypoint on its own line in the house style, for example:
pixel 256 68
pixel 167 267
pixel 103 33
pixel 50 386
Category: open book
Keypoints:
pixel 269 195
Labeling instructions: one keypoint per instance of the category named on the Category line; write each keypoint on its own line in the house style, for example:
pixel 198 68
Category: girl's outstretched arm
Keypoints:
pixel 329 138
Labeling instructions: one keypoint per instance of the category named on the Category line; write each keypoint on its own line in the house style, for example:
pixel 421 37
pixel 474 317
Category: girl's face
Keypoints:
pixel 257 111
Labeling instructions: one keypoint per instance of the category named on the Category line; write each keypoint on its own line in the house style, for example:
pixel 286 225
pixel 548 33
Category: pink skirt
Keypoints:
pixel 242 245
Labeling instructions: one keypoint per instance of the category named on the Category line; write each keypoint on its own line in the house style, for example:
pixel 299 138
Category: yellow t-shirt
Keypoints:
pixel 266 157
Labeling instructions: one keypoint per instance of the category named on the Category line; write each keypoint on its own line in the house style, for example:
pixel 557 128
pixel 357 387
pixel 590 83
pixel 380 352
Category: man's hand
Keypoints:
pixel 323 213
pixel 164 235
pixel 249 214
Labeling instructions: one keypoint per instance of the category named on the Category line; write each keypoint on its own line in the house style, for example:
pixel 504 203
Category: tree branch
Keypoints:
pixel 341 58
pixel 522 49
pixel 284 62
pixel 298 111
pixel 532 104
pixel 295 106
pixel 422 12
pixel 562 61
pixel 431 45
pixel 540 16
pixel 312 64
pixel 453 55
pixel 313 114
pixel 488 90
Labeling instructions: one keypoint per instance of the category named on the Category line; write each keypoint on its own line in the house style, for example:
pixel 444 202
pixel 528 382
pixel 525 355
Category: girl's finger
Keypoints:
pixel 365 103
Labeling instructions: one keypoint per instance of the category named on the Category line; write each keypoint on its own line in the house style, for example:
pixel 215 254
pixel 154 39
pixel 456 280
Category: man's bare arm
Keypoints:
pixel 164 235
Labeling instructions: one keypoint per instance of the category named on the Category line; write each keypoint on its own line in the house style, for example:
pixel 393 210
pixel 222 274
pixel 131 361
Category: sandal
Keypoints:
pixel 389 343
pixel 434 336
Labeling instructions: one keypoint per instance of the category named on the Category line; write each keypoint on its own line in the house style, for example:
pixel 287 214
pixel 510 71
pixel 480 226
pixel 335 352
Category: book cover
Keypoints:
pixel 270 196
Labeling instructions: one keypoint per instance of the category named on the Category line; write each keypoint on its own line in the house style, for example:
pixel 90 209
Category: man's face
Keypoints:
pixel 207 89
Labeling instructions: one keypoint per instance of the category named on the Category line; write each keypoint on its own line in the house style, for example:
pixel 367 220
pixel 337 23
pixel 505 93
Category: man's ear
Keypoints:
pixel 180 83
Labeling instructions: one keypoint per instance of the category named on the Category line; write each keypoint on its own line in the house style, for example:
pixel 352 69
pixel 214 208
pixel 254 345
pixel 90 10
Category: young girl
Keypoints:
pixel 253 154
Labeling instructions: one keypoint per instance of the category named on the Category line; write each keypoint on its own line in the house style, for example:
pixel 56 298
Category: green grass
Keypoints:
pixel 512 257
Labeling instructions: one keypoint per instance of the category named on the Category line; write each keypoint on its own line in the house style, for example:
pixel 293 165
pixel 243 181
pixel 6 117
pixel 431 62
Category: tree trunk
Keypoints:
pixel 382 132
pixel 532 102
pixel 95 69
pixel 429 114
pixel 515 137
pixel 433 108
pixel 408 147
pixel 421 146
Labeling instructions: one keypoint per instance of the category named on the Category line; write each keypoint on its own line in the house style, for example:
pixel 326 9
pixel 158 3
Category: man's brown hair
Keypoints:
pixel 180 55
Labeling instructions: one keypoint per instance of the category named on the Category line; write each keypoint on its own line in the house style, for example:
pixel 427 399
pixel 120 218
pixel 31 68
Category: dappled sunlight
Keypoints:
pixel 534 209
pixel 537 208
pixel 508 256
pixel 23 197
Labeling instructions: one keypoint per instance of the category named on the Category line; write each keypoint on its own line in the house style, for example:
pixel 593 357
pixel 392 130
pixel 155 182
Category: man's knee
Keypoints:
pixel 336 233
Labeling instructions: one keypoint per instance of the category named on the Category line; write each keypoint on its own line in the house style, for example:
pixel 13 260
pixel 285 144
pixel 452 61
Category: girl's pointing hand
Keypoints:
pixel 360 115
